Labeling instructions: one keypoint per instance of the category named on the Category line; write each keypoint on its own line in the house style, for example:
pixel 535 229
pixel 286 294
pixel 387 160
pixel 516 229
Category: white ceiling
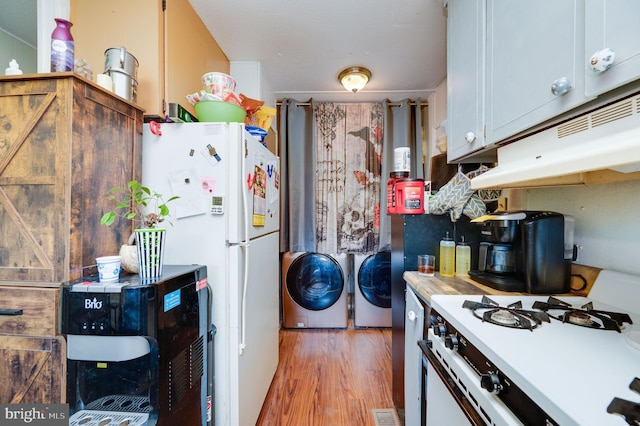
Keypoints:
pixel 303 44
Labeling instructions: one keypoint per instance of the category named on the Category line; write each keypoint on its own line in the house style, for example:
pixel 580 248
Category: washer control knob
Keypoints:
pixel 491 382
pixel 451 342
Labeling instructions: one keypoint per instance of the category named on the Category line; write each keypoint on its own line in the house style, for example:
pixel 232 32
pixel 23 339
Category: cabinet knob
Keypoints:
pixel 411 315
pixel 602 60
pixel 561 86
pixel 470 137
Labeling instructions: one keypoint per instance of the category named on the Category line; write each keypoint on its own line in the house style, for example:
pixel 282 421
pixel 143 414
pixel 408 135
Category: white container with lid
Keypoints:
pixel 402 159
pixel 14 68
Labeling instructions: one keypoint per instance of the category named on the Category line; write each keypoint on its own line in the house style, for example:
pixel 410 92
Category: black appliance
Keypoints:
pixel 140 352
pixel 412 235
pixel 524 251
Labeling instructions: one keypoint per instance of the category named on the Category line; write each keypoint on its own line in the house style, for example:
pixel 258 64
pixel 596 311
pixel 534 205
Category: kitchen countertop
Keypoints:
pixel 428 286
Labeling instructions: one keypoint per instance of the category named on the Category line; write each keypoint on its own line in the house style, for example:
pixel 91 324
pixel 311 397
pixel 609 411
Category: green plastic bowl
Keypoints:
pixel 219 111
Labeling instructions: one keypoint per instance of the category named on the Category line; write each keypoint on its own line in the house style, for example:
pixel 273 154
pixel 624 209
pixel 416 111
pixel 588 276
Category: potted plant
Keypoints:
pixel 148 208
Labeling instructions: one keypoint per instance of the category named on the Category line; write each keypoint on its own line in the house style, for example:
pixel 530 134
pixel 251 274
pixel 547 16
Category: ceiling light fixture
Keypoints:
pixel 354 78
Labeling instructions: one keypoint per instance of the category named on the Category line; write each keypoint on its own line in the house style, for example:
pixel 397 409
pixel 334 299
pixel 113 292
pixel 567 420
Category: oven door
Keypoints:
pixel 446 403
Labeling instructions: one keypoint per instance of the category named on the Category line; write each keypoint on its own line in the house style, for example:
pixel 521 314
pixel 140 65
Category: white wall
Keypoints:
pixel 252 81
pixel 14 48
pixel 607 221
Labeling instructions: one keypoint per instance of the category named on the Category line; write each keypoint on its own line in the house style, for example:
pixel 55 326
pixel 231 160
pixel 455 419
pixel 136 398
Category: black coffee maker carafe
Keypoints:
pixel 524 251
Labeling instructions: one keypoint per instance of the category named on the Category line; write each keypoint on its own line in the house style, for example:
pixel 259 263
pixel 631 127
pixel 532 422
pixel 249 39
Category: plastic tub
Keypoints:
pixel 218 79
pixel 219 111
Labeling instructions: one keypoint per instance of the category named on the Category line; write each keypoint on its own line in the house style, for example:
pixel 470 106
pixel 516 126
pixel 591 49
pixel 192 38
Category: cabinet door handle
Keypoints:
pixel 602 60
pixel 9 311
pixel 470 137
pixel 561 86
pixel 411 315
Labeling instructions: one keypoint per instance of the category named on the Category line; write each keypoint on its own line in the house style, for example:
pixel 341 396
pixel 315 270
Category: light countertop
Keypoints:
pixel 428 286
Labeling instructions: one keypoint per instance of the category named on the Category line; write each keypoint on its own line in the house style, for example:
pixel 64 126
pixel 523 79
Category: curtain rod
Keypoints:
pixel 422 104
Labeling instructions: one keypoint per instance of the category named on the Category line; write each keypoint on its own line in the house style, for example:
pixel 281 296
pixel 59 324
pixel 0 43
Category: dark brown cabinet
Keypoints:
pixel 32 354
pixel 64 142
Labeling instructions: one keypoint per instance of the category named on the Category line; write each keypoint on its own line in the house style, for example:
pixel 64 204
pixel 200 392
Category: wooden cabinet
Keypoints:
pixel 33 364
pixel 532 46
pixel 170 41
pixel 515 65
pixel 414 331
pixel 64 142
pixel 465 77
pixel 612 25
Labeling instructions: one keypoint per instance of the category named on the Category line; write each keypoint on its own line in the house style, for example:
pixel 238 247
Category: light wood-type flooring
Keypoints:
pixel 330 378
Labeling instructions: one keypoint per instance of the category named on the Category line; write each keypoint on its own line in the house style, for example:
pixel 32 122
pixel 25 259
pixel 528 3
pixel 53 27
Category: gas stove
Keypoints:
pixel 532 359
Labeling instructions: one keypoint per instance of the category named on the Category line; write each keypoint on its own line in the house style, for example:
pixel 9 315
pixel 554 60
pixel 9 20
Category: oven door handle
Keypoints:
pixel 462 401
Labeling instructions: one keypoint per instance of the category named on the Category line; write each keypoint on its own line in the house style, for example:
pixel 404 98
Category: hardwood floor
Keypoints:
pixel 330 377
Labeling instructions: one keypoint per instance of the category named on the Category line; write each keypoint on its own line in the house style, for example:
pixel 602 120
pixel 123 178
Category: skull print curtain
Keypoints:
pixel 335 161
pixel 348 153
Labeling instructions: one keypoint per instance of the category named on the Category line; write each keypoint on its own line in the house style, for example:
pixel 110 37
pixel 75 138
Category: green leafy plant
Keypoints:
pixel 137 203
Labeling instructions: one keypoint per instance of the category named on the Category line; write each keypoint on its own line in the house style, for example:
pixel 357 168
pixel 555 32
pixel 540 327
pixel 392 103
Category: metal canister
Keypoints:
pixel 122 67
pixel 409 196
pixel 391 196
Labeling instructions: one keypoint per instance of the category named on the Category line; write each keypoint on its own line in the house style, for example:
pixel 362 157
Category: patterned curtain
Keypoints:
pixel 348 155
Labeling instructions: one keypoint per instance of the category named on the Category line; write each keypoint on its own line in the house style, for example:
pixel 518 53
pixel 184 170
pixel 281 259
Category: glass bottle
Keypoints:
pixel 463 258
pixel 447 256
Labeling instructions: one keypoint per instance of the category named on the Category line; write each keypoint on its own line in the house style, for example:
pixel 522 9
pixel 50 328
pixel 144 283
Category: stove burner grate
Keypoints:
pixel 628 409
pixel 584 316
pixel 512 316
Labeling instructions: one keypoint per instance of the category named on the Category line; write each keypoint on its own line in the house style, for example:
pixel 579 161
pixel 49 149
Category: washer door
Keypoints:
pixel 315 281
pixel 374 279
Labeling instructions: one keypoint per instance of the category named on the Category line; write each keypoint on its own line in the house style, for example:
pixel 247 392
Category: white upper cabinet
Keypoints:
pixel 534 63
pixel 611 27
pixel 513 65
pixel 465 77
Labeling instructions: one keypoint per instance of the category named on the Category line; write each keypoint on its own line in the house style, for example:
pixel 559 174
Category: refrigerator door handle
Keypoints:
pixel 245 245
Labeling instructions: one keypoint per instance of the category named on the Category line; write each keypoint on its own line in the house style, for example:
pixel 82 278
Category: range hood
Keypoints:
pixel 599 146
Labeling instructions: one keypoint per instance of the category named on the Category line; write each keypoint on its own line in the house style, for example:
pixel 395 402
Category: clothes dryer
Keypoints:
pixel 372 290
pixel 314 290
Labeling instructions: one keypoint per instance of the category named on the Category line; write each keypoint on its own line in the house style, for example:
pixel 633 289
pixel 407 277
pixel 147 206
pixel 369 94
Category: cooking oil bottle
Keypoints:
pixel 463 258
pixel 447 256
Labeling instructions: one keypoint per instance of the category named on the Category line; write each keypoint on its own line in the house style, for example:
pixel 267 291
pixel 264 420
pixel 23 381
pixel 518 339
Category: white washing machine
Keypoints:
pixel 372 290
pixel 314 290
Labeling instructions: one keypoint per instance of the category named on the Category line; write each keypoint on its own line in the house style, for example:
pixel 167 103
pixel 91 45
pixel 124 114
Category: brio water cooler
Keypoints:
pixel 140 352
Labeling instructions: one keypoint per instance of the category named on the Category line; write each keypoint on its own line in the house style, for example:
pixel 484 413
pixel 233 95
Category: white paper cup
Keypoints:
pixel 105 81
pixel 108 268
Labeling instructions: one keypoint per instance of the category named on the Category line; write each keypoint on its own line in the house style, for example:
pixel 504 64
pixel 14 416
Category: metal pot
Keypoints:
pixel 122 67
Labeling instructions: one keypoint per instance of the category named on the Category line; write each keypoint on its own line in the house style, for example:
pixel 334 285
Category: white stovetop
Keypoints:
pixel 572 372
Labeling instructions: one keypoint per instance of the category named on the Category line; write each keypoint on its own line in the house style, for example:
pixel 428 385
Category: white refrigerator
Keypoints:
pixel 227 218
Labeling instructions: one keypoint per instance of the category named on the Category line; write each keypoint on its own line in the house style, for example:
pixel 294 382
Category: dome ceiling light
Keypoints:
pixel 354 78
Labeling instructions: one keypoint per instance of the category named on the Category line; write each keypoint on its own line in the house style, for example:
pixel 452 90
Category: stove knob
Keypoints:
pixel 491 382
pixel 440 330
pixel 451 342
pixel 433 319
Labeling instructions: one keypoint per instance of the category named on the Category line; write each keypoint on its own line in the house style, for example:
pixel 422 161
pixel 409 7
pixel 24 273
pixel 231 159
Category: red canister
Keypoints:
pixel 409 196
pixel 391 188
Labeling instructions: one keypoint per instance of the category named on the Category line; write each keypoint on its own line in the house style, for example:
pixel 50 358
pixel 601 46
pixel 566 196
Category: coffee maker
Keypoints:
pixel 525 251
